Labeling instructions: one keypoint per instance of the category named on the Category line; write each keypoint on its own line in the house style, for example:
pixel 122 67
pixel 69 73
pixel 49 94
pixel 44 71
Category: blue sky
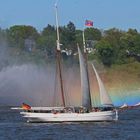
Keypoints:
pixel 122 14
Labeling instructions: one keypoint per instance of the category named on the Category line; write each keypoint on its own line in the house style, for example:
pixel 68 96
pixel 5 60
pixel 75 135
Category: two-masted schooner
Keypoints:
pixel 65 113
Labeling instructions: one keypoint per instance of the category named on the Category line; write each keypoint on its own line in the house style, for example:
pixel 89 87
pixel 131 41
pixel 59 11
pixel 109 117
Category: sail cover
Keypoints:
pixel 104 97
pixel 85 89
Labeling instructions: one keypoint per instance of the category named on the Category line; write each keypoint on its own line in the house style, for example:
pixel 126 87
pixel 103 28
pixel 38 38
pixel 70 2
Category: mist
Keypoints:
pixel 38 85
pixel 32 83
pixel 35 85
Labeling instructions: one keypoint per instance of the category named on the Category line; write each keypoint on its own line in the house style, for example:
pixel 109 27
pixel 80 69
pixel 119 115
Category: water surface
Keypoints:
pixel 14 127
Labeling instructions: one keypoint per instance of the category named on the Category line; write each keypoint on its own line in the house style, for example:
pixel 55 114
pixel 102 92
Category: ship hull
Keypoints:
pixel 71 117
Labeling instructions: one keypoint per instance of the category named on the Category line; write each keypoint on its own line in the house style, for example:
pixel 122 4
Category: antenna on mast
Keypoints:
pixel 57 26
pixel 56 3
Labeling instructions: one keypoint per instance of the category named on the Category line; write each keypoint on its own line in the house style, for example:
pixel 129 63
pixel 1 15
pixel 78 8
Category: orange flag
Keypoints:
pixel 26 107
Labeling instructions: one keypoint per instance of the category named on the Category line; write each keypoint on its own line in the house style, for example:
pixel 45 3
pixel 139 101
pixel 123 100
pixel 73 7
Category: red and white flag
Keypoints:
pixel 89 23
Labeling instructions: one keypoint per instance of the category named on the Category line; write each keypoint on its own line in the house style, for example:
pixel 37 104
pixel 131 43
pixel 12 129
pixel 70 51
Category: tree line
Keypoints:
pixel 112 46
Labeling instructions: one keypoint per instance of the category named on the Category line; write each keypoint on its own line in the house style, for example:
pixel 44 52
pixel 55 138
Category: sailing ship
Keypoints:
pixel 84 113
pixel 125 106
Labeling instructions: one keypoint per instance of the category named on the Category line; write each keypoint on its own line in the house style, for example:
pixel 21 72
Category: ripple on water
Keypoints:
pixel 14 127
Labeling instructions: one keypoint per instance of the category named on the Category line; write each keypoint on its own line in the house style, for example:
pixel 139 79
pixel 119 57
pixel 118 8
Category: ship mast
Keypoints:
pixel 59 57
pixel 86 63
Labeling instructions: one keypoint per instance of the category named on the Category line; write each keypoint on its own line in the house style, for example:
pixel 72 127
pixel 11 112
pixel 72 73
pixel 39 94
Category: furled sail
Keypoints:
pixel 104 97
pixel 85 89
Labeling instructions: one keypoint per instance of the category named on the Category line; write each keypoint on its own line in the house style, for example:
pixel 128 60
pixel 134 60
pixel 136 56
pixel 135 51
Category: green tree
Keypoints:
pixel 92 34
pixel 48 30
pixel 105 52
pixel 114 37
pixel 46 43
pixel 68 36
pixel 132 31
pixel 131 42
pixel 79 37
pixel 18 33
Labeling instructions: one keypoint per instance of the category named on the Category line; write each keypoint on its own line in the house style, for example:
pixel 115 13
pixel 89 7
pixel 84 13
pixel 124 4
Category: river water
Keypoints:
pixel 14 127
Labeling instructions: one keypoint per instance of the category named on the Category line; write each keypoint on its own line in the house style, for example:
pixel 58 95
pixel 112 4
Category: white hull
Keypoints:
pixel 71 117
